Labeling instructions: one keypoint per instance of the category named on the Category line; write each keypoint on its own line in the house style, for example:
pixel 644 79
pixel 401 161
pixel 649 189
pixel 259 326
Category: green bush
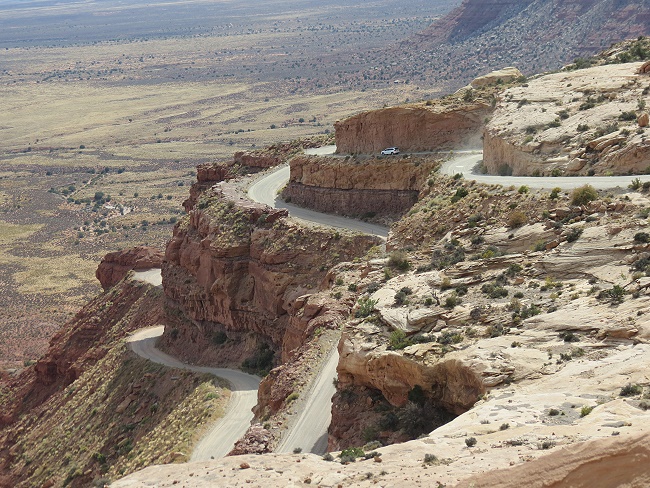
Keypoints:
pixel 398 340
pixel 583 195
pixel 631 390
pixel 573 234
pixel 615 294
pixel 516 219
pixel 366 307
pixel 399 260
pixel 351 454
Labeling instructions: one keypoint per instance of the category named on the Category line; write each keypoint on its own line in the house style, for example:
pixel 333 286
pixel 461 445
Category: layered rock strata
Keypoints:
pixel 115 265
pixel 358 186
pixel 412 128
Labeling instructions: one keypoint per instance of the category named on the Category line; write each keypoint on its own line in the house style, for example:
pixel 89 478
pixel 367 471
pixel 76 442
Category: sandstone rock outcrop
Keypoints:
pixel 206 176
pixel 504 75
pixel 572 122
pixel 234 269
pixel 115 265
pixel 413 128
pixel 357 187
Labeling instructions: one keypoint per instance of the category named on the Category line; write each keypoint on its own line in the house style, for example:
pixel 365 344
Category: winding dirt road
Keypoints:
pixel 266 191
pixel 464 162
pixel 309 431
pixel 221 437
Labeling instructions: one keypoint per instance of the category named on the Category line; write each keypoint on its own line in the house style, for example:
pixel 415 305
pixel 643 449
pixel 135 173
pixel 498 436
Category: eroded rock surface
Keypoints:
pixel 234 271
pixel 587 121
pixel 358 186
pixel 413 128
pixel 115 265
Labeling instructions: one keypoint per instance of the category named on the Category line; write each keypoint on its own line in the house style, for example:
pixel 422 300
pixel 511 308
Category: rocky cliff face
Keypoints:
pixel 115 265
pixel 358 186
pixel 413 128
pixel 588 121
pixel 233 273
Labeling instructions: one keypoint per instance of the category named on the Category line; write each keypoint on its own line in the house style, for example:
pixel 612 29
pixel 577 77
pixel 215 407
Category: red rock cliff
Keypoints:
pixel 412 128
pixel 115 265
pixel 233 271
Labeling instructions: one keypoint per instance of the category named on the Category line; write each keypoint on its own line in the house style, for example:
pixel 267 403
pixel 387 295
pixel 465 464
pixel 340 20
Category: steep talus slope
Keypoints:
pixel 90 410
pixel 534 35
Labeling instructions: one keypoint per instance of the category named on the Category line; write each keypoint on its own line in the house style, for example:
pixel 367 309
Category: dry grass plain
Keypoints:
pixel 132 117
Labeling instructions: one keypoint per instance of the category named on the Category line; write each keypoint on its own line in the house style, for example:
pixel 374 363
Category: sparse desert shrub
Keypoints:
pixel 585 410
pixel 568 336
pixel 372 287
pixel 430 458
pixel 399 260
pixel 470 441
pixel 328 457
pixel 398 340
pixel 448 337
pixel 452 300
pixel 460 193
pixel 504 426
pixel 642 237
pixel 351 454
pixel 297 450
pixel 553 412
pixel 512 270
pixel 630 115
pixel 631 390
pixel 574 234
pixel 636 184
pixel 493 290
pixel 366 307
pixel 516 219
pixel 583 195
pixel 443 259
pixel 615 294
pixel 546 445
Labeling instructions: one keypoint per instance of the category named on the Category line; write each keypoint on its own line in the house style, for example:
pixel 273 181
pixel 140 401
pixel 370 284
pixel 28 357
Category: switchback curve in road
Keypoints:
pixel 221 437
pixel 464 162
pixel 265 191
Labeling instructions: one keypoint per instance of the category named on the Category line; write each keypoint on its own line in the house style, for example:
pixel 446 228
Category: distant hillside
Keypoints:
pixel 534 35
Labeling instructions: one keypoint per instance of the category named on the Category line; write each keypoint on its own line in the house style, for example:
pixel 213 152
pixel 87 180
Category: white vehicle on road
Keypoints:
pixel 390 150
